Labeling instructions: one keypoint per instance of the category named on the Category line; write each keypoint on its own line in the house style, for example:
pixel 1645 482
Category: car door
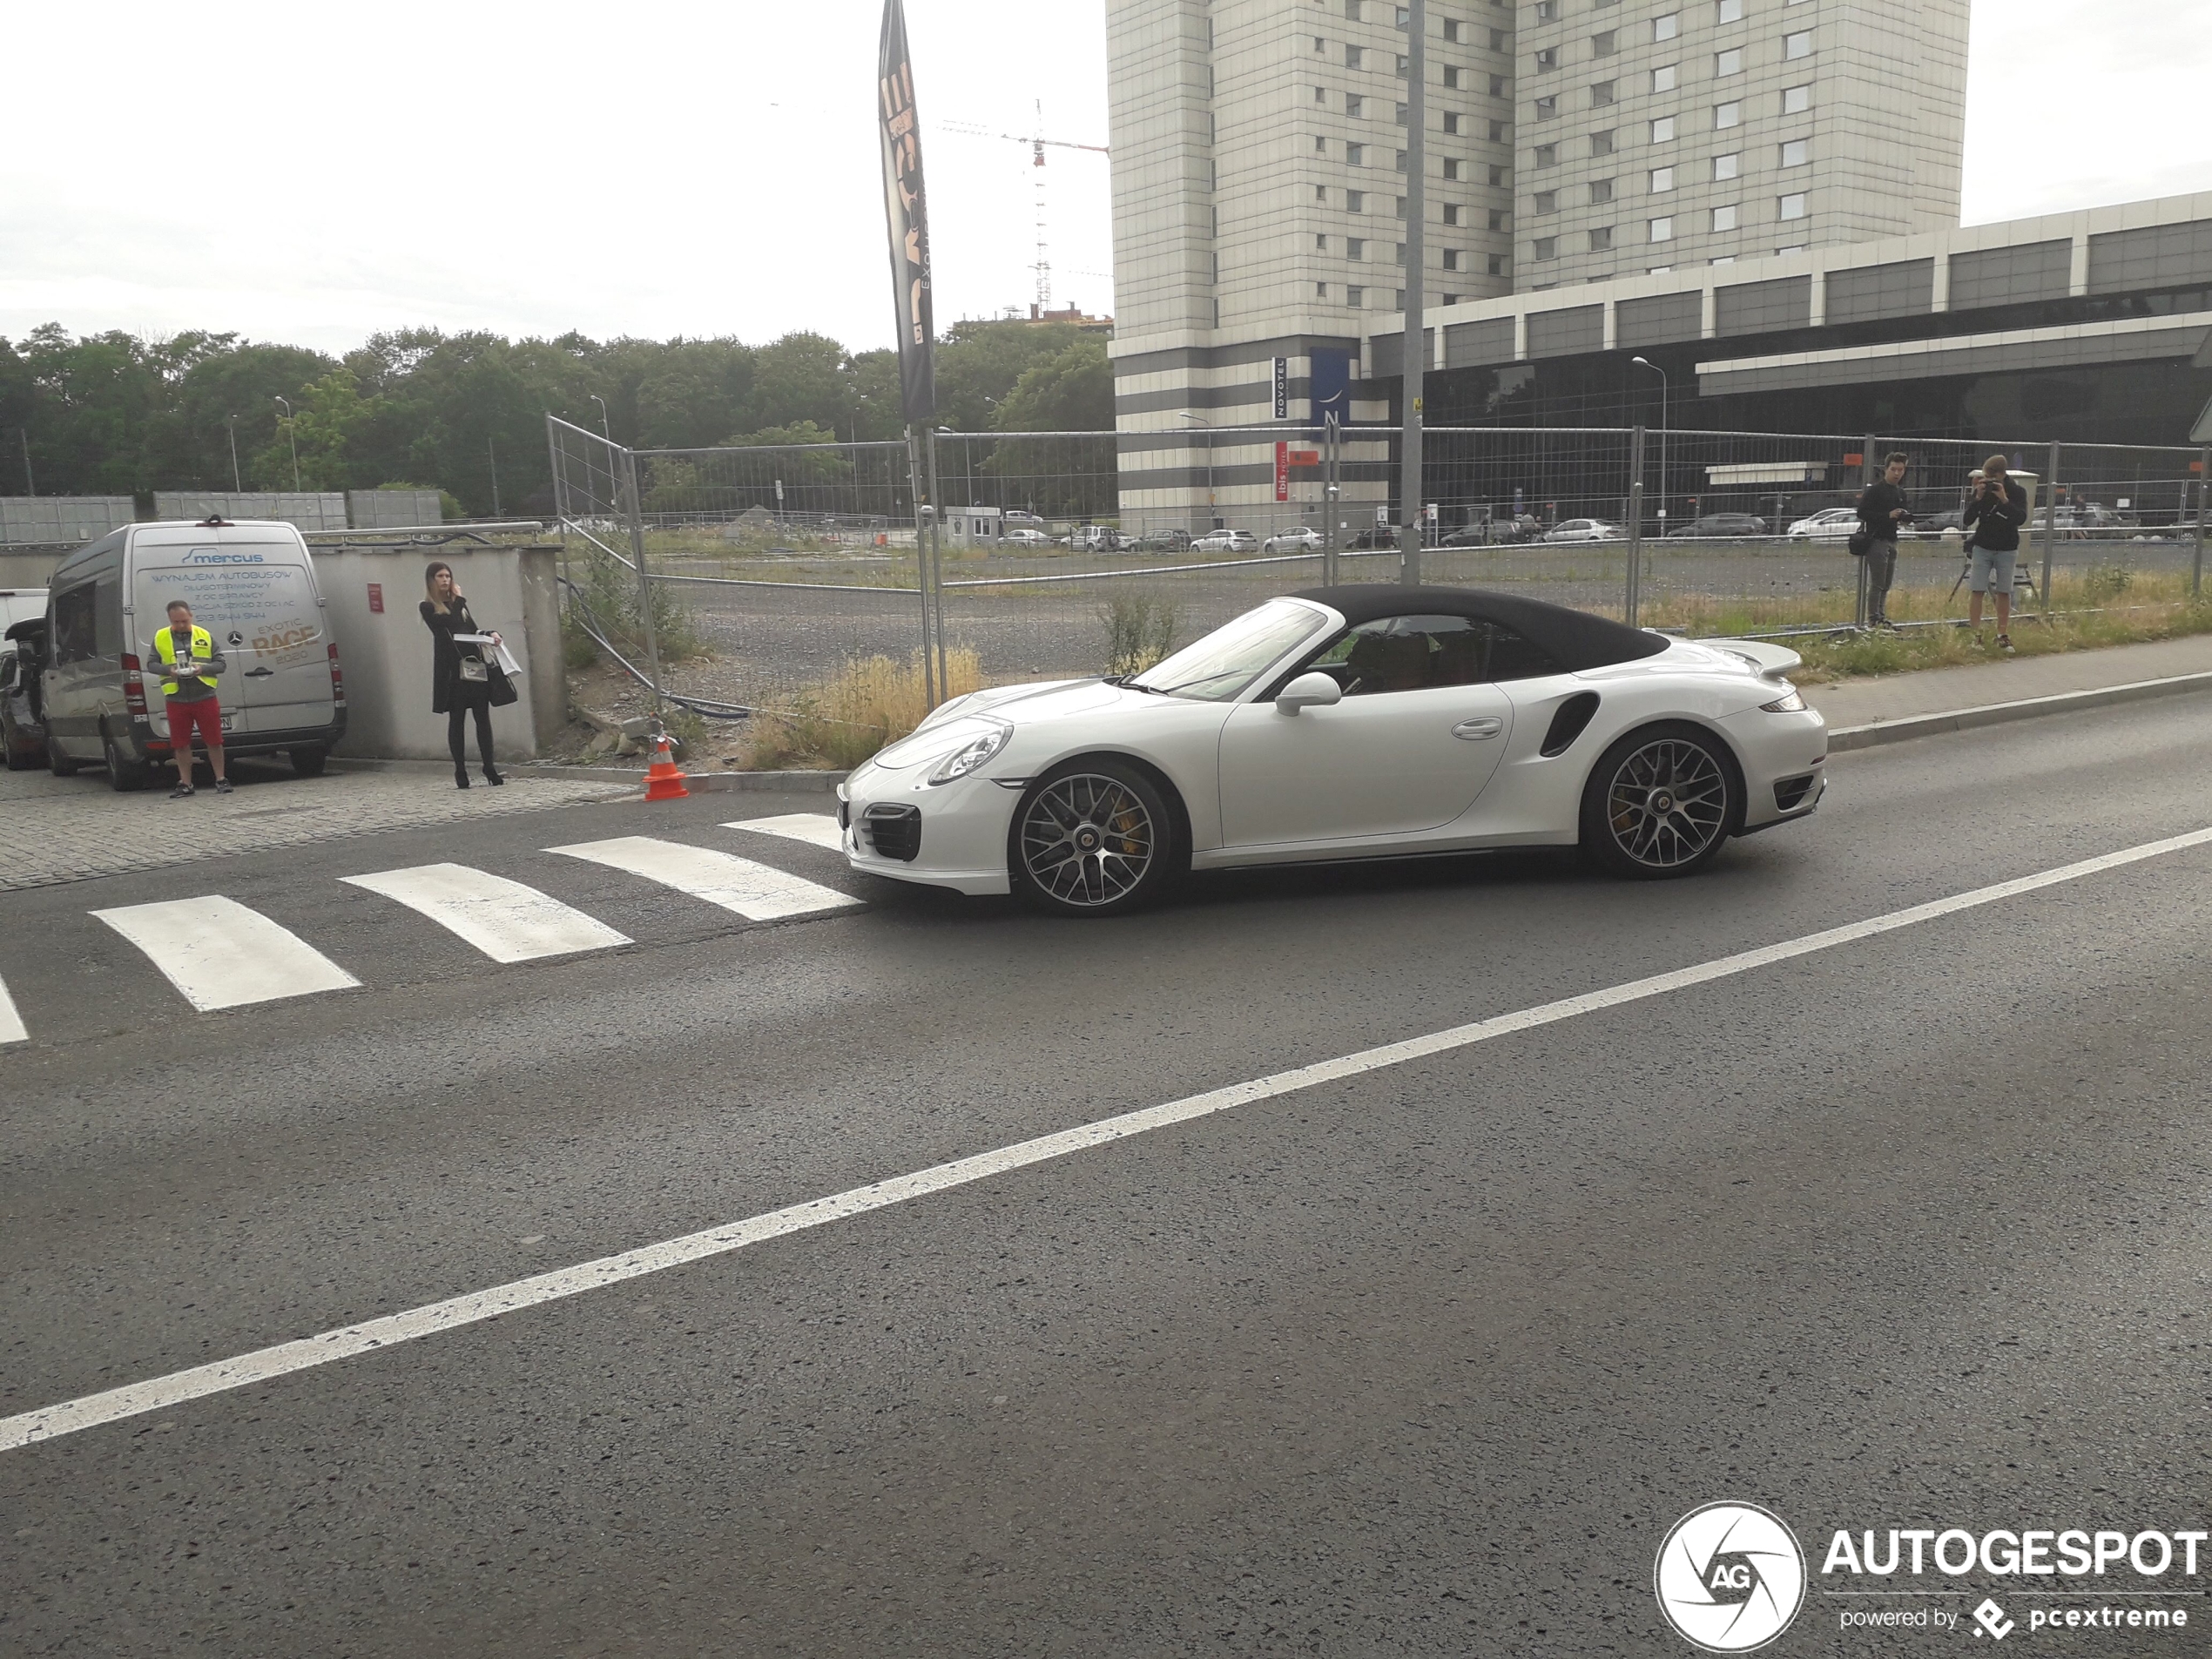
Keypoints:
pixel 1420 731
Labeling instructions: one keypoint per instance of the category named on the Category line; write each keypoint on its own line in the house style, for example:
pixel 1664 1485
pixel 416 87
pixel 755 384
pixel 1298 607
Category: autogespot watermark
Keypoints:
pixel 1731 1578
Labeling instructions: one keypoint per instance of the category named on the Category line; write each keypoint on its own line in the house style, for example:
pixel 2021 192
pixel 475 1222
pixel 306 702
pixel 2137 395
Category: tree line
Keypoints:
pixel 115 415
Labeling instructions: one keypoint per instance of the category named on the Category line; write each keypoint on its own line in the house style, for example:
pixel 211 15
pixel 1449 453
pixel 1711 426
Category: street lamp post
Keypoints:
pixel 1647 363
pixel 29 486
pixel 604 431
pixel 1212 518
pixel 294 437
pixel 237 484
pixel 1413 354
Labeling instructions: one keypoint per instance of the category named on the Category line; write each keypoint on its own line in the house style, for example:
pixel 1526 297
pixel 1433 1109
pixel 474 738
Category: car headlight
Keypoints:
pixel 1792 704
pixel 971 754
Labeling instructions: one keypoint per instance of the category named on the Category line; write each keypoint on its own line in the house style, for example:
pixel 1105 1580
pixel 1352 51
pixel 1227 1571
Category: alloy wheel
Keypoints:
pixel 1088 840
pixel 1667 804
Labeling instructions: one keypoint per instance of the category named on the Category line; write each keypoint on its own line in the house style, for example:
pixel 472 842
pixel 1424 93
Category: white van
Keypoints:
pixel 251 584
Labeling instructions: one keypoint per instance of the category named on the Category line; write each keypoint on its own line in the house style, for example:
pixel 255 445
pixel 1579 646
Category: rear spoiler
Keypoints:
pixel 1771 661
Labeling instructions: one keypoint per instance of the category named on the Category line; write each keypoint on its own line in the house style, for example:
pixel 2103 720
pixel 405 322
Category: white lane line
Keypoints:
pixel 752 890
pixel 222 955
pixel 11 1025
pixel 71 1417
pixel 816 829
pixel 506 920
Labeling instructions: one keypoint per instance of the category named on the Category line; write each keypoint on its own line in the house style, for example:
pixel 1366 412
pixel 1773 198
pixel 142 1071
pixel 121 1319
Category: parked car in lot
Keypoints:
pixel 1227 542
pixel 1016 516
pixel 251 584
pixel 1167 541
pixel 1343 723
pixel 1023 535
pixel 1376 535
pixel 1095 538
pixel 1304 539
pixel 1828 525
pixel 23 720
pixel 1719 524
pixel 1585 529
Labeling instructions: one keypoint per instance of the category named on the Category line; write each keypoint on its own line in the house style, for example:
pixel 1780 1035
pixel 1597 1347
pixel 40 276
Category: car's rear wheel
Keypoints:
pixel 307 760
pixel 1095 838
pixel 123 773
pixel 1659 803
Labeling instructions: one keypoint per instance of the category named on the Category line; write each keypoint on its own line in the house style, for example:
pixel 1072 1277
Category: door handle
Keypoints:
pixel 259 673
pixel 1488 725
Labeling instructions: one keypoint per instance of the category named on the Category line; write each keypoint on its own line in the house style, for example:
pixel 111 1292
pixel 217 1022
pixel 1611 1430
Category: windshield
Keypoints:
pixel 1216 668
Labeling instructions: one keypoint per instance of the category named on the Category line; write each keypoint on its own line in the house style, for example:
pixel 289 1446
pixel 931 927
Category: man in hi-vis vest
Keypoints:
pixel 189 664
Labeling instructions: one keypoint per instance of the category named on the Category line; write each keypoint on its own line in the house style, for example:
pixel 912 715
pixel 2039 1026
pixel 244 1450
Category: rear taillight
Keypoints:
pixel 134 689
pixel 337 678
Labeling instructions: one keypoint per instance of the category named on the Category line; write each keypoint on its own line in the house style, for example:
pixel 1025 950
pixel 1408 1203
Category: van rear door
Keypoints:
pixel 255 593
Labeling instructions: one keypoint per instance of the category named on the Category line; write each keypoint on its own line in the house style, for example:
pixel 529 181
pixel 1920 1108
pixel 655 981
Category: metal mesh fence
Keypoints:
pixel 1068 554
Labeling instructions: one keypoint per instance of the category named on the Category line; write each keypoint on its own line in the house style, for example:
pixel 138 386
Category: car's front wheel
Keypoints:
pixel 1095 838
pixel 1659 803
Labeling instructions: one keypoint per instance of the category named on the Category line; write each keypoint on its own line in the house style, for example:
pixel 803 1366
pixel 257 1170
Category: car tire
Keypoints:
pixel 1660 803
pixel 124 776
pixel 1093 838
pixel 308 761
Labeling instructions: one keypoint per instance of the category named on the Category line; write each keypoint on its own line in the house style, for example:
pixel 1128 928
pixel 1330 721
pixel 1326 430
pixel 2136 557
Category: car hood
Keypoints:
pixel 966 718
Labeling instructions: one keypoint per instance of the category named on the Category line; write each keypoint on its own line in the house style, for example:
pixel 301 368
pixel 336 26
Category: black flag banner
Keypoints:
pixel 906 210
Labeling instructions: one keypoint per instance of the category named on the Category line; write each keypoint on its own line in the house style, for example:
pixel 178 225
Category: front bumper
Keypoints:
pixel 957 831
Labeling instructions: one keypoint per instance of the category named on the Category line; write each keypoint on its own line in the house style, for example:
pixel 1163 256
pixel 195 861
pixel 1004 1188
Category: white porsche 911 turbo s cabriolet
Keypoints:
pixel 1346 723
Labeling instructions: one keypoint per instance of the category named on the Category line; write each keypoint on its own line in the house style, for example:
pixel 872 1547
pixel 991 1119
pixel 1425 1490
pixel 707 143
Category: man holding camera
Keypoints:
pixel 1994 513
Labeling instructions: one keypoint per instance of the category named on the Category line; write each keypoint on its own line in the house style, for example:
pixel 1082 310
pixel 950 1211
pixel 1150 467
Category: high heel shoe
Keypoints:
pixel 461 777
pixel 492 777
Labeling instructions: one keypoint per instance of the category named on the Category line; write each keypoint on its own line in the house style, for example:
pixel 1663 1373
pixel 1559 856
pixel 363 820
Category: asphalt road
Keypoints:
pixel 1905 1233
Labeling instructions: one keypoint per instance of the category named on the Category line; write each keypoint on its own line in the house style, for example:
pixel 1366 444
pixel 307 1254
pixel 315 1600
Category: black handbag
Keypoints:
pixel 502 689
pixel 1862 542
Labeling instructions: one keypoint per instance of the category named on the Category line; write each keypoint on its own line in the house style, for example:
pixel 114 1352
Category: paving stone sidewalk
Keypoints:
pixel 68 829
pixel 1940 691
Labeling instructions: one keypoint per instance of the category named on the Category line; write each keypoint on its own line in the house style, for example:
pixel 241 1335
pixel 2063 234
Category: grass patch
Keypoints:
pixel 872 702
pixel 1853 656
pixel 1140 630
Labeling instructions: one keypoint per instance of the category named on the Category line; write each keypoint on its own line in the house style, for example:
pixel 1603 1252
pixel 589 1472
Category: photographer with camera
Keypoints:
pixel 1882 512
pixel 1995 511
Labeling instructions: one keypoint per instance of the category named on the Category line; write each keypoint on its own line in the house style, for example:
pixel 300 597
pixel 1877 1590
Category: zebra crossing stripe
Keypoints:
pixel 220 954
pixel 816 829
pixel 508 921
pixel 11 1026
pixel 754 891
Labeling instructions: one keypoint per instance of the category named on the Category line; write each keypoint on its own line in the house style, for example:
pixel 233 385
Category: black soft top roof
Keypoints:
pixel 1575 639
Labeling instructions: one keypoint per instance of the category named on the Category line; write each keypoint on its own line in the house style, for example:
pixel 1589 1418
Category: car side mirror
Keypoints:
pixel 1313 690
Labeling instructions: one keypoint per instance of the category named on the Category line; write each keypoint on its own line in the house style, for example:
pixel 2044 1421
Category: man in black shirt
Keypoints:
pixel 1882 509
pixel 1995 514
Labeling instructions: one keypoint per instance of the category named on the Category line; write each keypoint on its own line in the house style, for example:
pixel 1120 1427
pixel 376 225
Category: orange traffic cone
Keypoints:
pixel 663 780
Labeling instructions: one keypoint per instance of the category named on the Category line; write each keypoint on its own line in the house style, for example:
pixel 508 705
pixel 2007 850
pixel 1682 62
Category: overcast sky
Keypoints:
pixel 313 174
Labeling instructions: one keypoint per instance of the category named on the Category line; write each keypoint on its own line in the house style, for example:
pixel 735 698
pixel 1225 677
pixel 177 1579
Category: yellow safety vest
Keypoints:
pixel 203 648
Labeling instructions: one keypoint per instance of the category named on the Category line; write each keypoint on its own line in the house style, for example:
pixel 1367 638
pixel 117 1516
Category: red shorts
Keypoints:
pixel 206 712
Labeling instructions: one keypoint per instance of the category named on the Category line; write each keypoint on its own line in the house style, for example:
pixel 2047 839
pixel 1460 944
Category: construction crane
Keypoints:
pixel 1038 145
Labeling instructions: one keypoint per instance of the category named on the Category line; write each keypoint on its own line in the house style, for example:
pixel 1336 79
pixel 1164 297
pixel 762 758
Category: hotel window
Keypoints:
pixel 1351 11
pixel 1663 180
pixel 1451 259
pixel 1664 78
pixel 1401 112
pixel 1547 59
pixel 1797 45
pixel 1320 146
pixel 1321 194
pixel 1601 94
pixel 1601 190
pixel 1601 241
pixel 1602 143
pixel 1498 40
pixel 1354 106
pixel 1546 11
pixel 1450 120
pixel 1356 154
pixel 1320 95
pixel 1726 259
pixel 1657 270
pixel 1730 62
pixel 1451 212
pixel 1401 253
pixel 1497 265
pixel 1497 132
pixel 1800 248
pixel 1663 230
pixel 1497 219
pixel 1450 167
pixel 1451 31
pixel 1666 28
pixel 1452 74
pixel 1405 67
pixel 1726 167
pixel 1547 155
pixel 1497 175
pixel 1319 45
pixel 1497 86
pixel 1401 207
pixel 1451 299
pixel 1547 248
pixel 1356 297
pixel 1727 115
pixel 1662 130
pixel 1321 291
pixel 1354 57
pixel 1399 164
pixel 1546 108
pixel 1796 152
pixel 1796 101
pixel 1724 217
pixel 1793 207
pixel 1730 11
pixel 1355 201
pixel 1547 202
pixel 1320 244
pixel 1355 248
pixel 1606 44
pixel 1397 298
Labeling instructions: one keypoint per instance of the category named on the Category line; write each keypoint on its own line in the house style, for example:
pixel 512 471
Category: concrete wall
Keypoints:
pixel 310 510
pixel 385 654
pixel 74 519
pixel 32 569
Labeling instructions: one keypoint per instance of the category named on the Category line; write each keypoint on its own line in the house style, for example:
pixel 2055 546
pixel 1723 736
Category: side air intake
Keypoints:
pixel 1574 717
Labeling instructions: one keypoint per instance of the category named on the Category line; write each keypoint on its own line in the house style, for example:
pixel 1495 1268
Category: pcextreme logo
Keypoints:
pixel 1729 1577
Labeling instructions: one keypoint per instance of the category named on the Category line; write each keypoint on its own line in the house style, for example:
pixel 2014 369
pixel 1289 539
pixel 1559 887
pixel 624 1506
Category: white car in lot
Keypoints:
pixel 1227 542
pixel 1828 525
pixel 1021 536
pixel 1585 529
pixel 1344 723
pixel 1304 539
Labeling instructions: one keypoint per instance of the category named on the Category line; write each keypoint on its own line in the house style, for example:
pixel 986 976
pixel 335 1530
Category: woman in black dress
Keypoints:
pixel 460 675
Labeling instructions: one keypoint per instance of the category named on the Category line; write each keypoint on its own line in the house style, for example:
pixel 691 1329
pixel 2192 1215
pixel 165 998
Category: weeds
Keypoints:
pixel 873 702
pixel 1849 655
pixel 1140 630
pixel 610 600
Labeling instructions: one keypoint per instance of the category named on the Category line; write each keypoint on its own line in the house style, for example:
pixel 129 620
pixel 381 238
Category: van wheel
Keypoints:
pixel 308 762
pixel 122 775
pixel 58 763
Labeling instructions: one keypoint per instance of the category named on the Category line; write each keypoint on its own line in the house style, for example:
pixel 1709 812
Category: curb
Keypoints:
pixel 702 783
pixel 1909 726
